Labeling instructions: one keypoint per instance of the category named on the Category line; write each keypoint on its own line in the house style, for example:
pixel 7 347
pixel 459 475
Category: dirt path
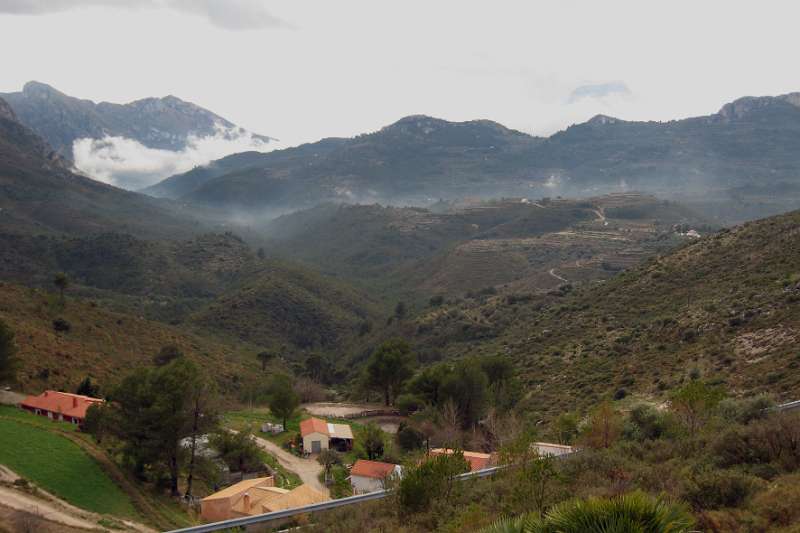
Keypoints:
pixel 8 397
pixel 552 272
pixel 333 410
pixel 55 510
pixel 307 469
pixel 22 502
pixel 601 217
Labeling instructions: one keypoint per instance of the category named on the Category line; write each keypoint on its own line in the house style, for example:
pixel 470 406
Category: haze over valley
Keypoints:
pixel 451 267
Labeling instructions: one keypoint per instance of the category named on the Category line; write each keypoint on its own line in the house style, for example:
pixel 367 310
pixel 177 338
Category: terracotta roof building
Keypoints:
pixel 476 460
pixel 370 476
pixel 255 496
pixel 60 406
pixel 320 435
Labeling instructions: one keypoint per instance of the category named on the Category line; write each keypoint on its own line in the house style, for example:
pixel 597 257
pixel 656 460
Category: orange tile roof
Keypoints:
pixel 73 405
pixel 298 497
pixel 476 460
pixel 373 469
pixel 313 425
pixel 240 488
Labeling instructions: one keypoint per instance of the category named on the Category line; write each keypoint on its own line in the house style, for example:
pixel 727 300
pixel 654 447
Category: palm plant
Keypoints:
pixel 635 512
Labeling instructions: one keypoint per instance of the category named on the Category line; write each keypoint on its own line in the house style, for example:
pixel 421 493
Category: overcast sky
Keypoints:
pixel 302 70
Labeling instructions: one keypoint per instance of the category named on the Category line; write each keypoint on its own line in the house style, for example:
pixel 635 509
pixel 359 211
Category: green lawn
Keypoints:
pixel 58 465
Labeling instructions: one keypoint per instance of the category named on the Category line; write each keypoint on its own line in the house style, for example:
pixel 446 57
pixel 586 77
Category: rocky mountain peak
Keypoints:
pixel 742 107
pixel 6 112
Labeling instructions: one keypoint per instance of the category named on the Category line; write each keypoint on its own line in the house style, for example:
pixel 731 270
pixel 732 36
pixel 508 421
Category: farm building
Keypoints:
pixel 553 450
pixel 255 496
pixel 61 406
pixel 476 460
pixel 319 435
pixel 370 476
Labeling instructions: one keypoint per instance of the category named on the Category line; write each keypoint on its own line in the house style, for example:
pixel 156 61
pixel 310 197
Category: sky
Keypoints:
pixel 303 70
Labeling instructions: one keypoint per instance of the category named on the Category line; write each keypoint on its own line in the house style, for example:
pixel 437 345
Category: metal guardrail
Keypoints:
pixel 315 507
pixel 789 406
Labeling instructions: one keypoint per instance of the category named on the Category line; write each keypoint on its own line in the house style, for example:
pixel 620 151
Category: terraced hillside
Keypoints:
pixel 504 245
pixel 725 307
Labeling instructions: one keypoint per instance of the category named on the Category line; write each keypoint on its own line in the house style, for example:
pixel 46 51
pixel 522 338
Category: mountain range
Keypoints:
pixel 163 123
pixel 748 152
pixel 41 195
pixel 130 145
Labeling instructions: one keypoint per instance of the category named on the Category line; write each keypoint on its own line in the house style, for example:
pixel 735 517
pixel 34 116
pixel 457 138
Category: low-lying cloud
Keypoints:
pixel 227 14
pixel 128 164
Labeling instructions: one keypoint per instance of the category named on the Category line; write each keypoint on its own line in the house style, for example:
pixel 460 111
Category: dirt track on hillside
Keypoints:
pixel 307 469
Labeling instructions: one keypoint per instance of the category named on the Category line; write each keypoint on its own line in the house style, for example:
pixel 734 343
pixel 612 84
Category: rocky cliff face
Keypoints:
pixel 744 107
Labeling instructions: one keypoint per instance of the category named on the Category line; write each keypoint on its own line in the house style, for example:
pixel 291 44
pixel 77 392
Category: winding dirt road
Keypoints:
pixel 307 469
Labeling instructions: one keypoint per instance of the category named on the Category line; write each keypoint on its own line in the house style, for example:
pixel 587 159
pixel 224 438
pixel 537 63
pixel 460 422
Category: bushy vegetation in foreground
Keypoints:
pixel 728 465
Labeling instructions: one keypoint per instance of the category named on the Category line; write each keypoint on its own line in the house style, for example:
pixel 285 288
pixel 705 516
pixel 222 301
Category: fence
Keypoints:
pixel 790 406
pixel 315 507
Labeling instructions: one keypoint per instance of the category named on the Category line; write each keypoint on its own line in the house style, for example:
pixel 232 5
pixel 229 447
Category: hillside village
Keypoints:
pixel 501 269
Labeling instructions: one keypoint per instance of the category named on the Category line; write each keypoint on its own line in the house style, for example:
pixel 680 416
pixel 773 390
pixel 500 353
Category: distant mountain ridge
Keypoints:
pixel 164 123
pixel 40 195
pixel 753 141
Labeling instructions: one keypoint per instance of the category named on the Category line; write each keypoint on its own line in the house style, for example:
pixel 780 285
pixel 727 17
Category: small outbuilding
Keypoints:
pixel 476 460
pixel 370 476
pixel 320 435
pixel 548 449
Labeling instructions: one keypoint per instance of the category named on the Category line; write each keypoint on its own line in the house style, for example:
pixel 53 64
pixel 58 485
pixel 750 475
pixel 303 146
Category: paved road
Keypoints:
pixel 307 469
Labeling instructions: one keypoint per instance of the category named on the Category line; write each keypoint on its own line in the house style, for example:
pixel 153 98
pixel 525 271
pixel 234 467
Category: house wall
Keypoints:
pixel 363 485
pixel 308 439
pixel 215 510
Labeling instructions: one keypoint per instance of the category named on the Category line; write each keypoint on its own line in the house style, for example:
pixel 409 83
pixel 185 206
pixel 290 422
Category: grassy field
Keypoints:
pixel 59 466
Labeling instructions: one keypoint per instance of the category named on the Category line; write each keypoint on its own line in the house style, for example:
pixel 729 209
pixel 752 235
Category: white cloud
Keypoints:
pixel 129 164
pixel 599 91
pixel 227 14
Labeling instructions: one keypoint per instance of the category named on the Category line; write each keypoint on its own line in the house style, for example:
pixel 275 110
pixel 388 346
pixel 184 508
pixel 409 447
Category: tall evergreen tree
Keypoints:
pixel 8 354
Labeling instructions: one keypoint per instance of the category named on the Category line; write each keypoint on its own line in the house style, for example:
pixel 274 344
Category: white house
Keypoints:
pixel 371 476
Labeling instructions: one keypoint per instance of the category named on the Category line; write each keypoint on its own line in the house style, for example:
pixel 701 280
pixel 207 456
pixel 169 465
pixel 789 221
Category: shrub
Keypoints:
pixel 645 422
pixel 409 438
pixel 635 511
pixel 430 481
pixel 780 504
pixel 408 404
pixel 436 301
pixel 61 325
pixel 712 489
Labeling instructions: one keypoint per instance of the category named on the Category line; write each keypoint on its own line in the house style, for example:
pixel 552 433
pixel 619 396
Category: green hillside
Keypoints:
pixel 59 466
pixel 726 307
pixel 282 307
